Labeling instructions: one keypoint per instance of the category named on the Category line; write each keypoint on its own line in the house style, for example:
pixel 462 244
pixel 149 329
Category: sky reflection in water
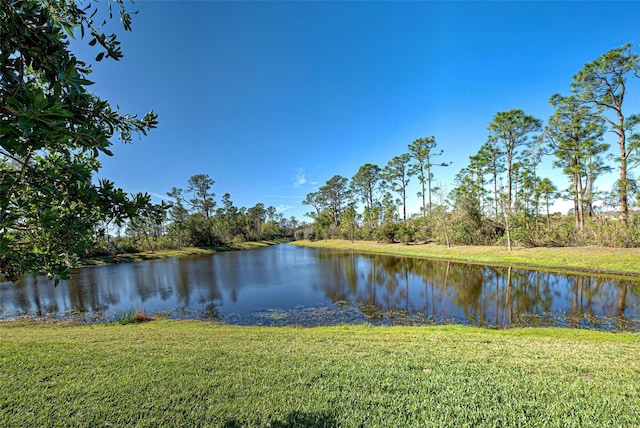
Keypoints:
pixel 283 285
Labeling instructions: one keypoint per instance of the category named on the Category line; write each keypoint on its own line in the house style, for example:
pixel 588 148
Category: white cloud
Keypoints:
pixel 159 196
pixel 297 197
pixel 283 208
pixel 301 177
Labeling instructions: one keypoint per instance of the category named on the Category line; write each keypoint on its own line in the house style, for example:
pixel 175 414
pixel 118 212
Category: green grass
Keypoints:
pixel 172 373
pixel 604 260
pixel 164 254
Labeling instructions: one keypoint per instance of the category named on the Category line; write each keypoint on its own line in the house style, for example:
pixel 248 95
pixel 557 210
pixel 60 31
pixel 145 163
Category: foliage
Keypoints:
pixel 422 151
pixel 366 184
pixel 602 84
pixel 202 201
pixel 387 232
pixel 511 129
pixel 226 224
pixel 575 135
pixel 51 132
pixel 348 223
pixel 613 233
pixel 397 175
pixel 406 232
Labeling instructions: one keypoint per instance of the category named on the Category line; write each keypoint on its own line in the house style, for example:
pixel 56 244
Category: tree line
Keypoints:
pixel 499 197
pixel 192 218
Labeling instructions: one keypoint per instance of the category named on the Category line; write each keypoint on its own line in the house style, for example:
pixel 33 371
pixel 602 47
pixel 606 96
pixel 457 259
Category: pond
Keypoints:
pixel 288 285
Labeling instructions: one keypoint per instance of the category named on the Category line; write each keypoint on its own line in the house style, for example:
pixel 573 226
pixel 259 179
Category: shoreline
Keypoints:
pixel 165 254
pixel 618 262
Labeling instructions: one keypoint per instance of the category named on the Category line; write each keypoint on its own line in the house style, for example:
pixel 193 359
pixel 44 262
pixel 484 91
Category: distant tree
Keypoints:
pixel 389 208
pixel 148 222
pixel 365 183
pixel 51 132
pixel 575 136
pixel 256 218
pixel 464 225
pixel 547 188
pixel 203 201
pixel 271 228
pixel 397 174
pixel 422 151
pixel 272 213
pixel 602 84
pixel 477 170
pixel 179 214
pixel 532 157
pixel 490 157
pixel 441 211
pixel 348 223
pixel 335 194
pixel 511 129
pixel 288 226
pixel 229 217
pixel 315 199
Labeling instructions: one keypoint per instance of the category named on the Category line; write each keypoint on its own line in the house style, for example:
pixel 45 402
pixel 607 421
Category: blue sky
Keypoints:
pixel 271 99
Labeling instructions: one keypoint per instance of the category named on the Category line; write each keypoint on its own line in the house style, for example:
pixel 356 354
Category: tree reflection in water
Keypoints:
pixel 290 285
pixel 479 295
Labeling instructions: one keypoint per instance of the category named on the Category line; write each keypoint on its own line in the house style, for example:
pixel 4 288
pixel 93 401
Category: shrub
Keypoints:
pixel 133 316
pixel 406 233
pixel 387 232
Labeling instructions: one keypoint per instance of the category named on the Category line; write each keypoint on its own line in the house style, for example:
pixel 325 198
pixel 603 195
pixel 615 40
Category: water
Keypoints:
pixel 284 285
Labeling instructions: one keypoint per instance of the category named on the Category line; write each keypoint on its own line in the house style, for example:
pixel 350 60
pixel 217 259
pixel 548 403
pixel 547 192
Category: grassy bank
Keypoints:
pixel 171 373
pixel 164 254
pixel 620 261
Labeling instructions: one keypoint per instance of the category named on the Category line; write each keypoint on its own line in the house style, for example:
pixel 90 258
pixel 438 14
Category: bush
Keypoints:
pixel 613 233
pixel 406 233
pixel 387 232
pixel 307 233
pixel 129 246
pixel 424 228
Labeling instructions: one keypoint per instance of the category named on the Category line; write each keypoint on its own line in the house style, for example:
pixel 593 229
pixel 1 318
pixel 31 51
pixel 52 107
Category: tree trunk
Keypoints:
pixel 509 179
pixel 404 207
pixel 548 219
pixel 580 196
pixel 495 191
pixel 624 184
pixel 507 227
pixel 146 236
pixel 424 203
pixel 429 181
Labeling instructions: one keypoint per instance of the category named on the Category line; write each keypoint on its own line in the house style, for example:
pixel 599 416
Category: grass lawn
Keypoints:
pixel 185 373
pixel 620 261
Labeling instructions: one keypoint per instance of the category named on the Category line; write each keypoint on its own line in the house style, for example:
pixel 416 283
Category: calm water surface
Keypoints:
pixel 283 285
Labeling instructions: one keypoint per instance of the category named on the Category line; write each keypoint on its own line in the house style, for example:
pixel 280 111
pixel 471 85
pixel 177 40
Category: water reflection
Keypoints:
pixel 290 285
